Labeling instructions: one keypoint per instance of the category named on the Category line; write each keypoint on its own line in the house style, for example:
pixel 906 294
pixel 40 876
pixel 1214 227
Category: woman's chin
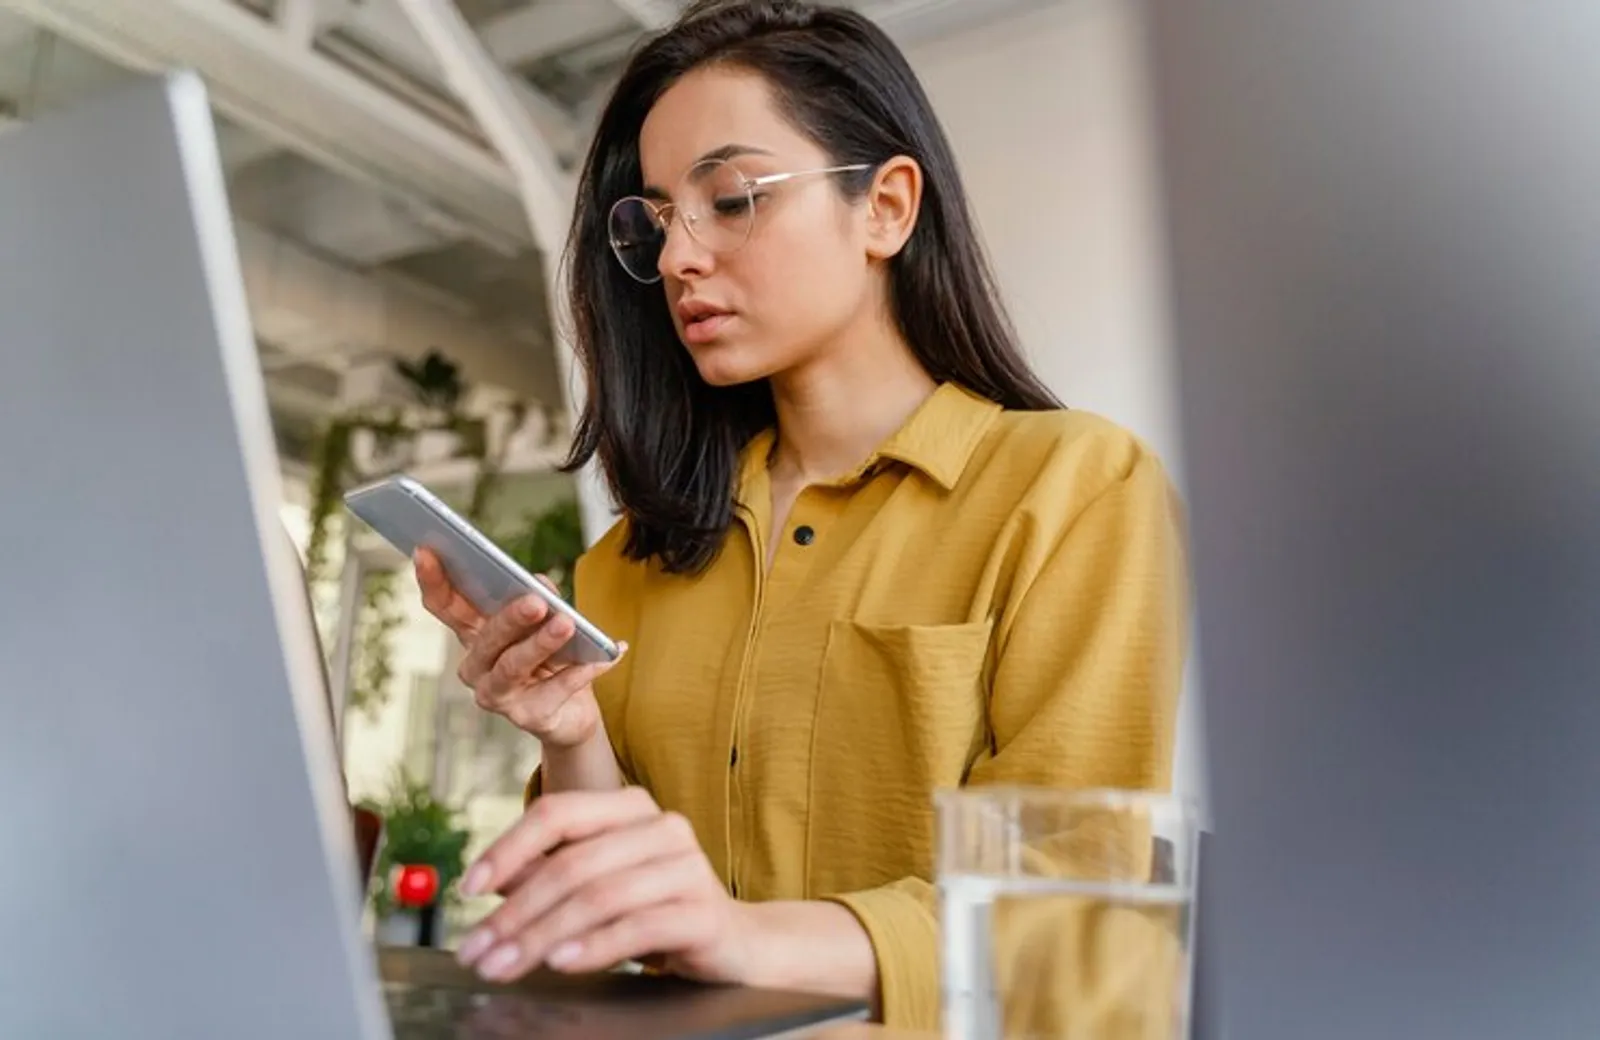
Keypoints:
pixel 723 365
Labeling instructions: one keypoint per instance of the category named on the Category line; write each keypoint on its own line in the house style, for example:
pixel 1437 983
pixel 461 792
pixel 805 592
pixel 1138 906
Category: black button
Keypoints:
pixel 733 757
pixel 804 535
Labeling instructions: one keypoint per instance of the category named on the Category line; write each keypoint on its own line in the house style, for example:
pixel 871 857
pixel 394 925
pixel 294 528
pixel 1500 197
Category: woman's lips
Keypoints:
pixel 706 328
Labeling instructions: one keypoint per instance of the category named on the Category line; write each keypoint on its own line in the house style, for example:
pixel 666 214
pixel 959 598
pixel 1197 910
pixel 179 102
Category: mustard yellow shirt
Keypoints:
pixel 993 597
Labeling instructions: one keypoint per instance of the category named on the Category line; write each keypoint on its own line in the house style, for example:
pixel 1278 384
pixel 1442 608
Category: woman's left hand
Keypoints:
pixel 593 878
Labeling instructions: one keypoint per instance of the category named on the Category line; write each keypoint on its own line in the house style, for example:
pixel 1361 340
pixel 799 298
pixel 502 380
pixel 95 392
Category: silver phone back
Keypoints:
pixel 178 858
pixel 410 517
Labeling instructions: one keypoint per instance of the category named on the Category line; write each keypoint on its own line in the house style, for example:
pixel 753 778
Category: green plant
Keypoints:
pixel 435 383
pixel 334 473
pixel 378 614
pixel 332 462
pixel 550 543
pixel 435 380
pixel 418 829
pixel 376 622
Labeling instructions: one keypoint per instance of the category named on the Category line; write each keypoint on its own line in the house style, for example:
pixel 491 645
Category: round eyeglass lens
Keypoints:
pixel 715 203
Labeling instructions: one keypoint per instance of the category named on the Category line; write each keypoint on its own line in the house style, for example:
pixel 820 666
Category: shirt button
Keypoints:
pixel 804 535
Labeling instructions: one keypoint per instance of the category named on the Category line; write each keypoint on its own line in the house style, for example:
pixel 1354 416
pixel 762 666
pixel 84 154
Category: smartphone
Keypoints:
pixel 409 517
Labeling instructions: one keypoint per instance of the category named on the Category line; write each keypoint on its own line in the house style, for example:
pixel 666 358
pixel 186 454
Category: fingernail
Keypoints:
pixel 563 955
pixel 477 880
pixel 499 963
pixel 622 650
pixel 474 946
pixel 531 609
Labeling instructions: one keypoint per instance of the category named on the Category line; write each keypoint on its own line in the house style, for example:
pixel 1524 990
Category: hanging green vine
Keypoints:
pixel 377 620
pixel 327 484
pixel 334 473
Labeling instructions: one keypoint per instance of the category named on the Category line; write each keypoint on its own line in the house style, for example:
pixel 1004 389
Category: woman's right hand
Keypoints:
pixel 507 660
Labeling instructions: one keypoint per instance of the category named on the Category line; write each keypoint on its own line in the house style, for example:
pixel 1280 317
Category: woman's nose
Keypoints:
pixel 682 255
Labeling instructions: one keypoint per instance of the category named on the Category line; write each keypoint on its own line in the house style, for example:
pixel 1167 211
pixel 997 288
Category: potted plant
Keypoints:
pixel 422 856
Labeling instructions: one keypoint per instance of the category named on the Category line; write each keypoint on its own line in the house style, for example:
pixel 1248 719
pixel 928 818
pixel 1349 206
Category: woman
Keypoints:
pixel 864 553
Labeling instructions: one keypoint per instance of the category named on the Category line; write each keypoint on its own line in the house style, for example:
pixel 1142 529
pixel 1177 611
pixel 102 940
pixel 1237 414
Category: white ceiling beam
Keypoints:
pixel 652 15
pixel 384 26
pixel 257 75
pixel 912 21
pixel 315 310
pixel 560 128
pixel 527 34
pixel 489 93
pixel 333 12
pixel 298 19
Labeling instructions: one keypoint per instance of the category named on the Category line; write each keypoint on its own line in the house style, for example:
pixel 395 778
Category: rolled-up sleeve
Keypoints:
pixel 901 921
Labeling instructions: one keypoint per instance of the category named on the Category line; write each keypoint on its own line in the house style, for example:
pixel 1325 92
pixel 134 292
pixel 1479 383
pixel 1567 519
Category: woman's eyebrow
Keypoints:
pixel 726 151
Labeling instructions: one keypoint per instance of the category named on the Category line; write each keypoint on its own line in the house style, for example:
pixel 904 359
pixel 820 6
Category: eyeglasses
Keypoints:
pixel 717 203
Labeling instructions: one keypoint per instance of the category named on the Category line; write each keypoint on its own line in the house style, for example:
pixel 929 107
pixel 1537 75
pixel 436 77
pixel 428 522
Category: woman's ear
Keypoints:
pixel 893 201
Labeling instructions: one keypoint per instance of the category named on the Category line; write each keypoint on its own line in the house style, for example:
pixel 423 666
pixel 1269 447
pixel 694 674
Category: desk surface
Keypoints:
pixel 867 1031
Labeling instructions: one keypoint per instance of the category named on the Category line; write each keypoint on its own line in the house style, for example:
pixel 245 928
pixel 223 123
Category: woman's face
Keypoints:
pixel 803 275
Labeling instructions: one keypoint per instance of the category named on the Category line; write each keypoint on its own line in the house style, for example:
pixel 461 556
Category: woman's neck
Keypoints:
pixel 836 411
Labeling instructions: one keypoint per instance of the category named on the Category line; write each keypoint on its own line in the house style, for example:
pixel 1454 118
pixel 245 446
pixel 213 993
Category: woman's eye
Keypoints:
pixel 731 205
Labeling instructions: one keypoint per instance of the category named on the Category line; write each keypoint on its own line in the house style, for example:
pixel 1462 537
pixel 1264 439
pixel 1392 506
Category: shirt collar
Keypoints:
pixel 938 439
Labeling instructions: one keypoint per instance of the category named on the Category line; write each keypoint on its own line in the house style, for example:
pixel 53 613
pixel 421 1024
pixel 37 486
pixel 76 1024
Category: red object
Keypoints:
pixel 414 886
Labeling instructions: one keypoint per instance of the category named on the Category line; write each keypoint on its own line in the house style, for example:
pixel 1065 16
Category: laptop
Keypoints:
pixel 178 859
pixel 1385 229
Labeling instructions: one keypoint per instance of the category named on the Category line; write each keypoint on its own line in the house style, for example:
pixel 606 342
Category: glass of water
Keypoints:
pixel 1065 915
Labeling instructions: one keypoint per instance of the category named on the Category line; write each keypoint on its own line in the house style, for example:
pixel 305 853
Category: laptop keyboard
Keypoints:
pixel 442 1013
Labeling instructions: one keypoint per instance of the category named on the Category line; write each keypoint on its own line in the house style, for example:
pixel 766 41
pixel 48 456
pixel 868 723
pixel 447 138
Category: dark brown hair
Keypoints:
pixel 668 442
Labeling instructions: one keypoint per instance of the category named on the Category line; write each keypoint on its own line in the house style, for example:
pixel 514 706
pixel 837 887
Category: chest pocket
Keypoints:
pixel 900 713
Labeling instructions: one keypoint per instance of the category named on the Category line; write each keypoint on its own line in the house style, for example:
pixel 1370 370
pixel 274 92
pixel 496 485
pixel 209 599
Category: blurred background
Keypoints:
pixel 399 281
